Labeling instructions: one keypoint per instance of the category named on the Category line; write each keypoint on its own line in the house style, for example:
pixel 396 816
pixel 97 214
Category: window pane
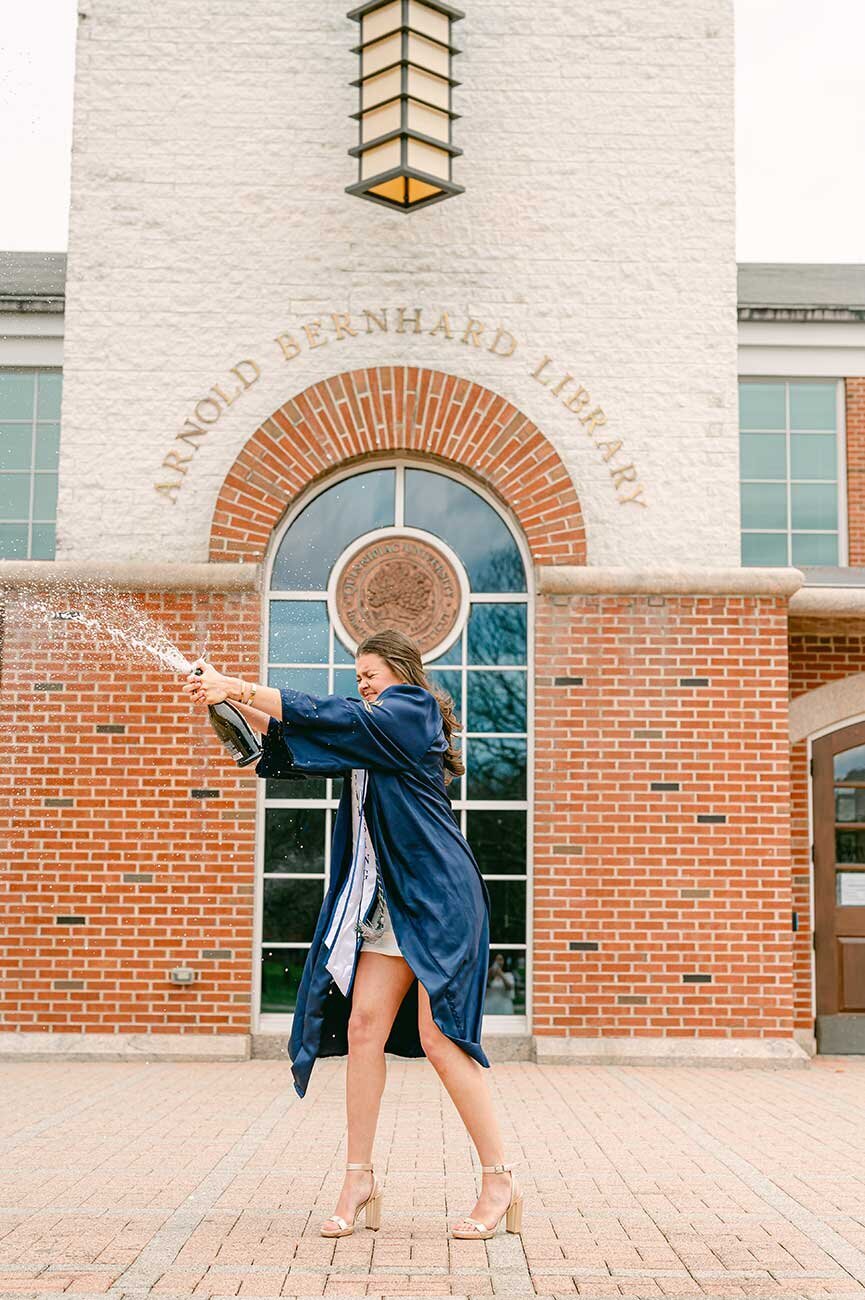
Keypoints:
pixel 497 634
pixel 850 805
pixel 764 505
pixel 812 455
pixel 761 406
pixel 49 388
pixel 452 682
pixel 463 519
pixel 302 787
pixel 294 839
pixel 764 548
pixel 43 543
pixel 345 682
pixel 453 655
pixel 13 541
pixel 341 655
pixel 812 406
pixel 17 394
pixel 322 531
pixel 814 505
pixel 507 911
pixel 281 969
pixel 850 846
pixel 497 701
pixel 298 632
pixel 815 548
pixel 495 768
pixel 15 496
pixel 763 455
pixel 498 841
pixel 506 984
pixel 45 496
pixel 47 446
pixel 849 765
pixel 291 909
pixel 16 442
pixel 311 680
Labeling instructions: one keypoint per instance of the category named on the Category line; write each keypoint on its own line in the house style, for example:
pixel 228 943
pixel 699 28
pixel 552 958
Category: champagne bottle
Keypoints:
pixel 234 731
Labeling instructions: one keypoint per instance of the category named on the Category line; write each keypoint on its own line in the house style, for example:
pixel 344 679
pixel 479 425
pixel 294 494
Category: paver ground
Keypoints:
pixel 132 1179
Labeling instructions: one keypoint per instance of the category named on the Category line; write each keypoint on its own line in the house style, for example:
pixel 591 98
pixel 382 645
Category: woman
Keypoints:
pixel 399 958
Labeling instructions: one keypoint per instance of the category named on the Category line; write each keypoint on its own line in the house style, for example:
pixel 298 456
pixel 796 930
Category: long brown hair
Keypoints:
pixel 402 656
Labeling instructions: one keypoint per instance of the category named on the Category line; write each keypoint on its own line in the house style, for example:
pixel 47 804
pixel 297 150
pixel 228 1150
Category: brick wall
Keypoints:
pixel 855 426
pixel 662 817
pixel 816 658
pixel 130 833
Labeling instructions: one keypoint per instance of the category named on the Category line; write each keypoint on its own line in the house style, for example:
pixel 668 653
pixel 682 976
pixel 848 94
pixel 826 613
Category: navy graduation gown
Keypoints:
pixel 438 901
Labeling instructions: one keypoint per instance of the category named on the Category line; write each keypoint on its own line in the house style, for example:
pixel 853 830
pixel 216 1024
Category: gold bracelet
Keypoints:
pixel 240 692
pixel 251 694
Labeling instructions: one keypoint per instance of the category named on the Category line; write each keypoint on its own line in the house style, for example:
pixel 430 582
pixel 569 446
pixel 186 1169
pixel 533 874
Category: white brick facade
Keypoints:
pixel 209 216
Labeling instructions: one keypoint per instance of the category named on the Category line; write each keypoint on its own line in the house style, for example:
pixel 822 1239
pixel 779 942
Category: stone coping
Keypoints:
pixel 44 1046
pixel 676 580
pixel 130 575
pixel 730 1052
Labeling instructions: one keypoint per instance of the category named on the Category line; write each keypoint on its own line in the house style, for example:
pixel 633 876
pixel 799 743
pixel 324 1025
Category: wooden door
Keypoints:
pixel 838 769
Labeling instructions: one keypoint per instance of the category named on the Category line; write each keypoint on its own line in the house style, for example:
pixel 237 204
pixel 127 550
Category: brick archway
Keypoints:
pixel 388 409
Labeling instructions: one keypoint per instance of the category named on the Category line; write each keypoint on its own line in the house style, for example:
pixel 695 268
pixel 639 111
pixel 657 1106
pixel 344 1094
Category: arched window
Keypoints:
pixel 485 667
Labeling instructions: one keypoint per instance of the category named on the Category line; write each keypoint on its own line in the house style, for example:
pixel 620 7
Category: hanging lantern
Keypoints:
pixel 404 148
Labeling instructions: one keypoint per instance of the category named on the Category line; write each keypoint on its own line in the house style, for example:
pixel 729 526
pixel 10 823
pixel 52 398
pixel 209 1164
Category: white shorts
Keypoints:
pixel 386 944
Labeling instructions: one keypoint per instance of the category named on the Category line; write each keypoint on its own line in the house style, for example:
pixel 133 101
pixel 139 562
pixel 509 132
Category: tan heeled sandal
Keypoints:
pixel 371 1208
pixel 513 1214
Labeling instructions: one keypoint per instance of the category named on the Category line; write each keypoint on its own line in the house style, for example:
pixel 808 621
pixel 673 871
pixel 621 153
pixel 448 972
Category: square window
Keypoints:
pixel 15 496
pixel 13 541
pixel 298 632
pixel 768 549
pixel 497 838
pixel 44 497
pixel 813 455
pixel 764 505
pixel 763 455
pixel 49 389
pixel 812 406
pixel 281 969
pixel 815 548
pixel 47 447
pixel 16 447
pixel 495 767
pixel 497 634
pixel 294 840
pixel 762 406
pixel 17 394
pixel 496 701
pixel 43 545
pixel 814 505
pixel 290 910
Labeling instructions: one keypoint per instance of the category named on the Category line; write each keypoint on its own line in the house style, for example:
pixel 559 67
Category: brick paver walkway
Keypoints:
pixel 132 1179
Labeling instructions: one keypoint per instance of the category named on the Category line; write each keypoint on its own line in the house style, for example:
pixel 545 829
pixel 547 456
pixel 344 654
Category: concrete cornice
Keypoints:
pixel 682 580
pixel 828 602
pixel 129 575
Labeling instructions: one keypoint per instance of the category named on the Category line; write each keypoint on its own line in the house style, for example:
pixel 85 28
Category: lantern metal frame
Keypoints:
pixel 404 132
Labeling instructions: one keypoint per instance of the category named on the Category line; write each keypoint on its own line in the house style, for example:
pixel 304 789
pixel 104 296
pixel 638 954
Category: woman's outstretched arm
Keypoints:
pixel 211 687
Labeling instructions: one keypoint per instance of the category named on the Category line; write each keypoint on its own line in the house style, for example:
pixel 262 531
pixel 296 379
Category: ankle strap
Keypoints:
pixel 358 1166
pixel 498 1169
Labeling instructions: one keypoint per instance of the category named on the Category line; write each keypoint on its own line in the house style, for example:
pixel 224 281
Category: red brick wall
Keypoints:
pixel 816 658
pixel 98 786
pixel 665 897
pixel 855 422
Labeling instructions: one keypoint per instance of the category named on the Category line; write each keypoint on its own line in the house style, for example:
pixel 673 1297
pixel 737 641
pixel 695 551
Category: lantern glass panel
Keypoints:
pixel 380 21
pixel 428 54
pixel 381 158
pixel 425 86
pixel 428 121
pixel 426 158
pixel 380 121
pixel 432 22
pixel 378 89
pixel 420 190
pixel 381 55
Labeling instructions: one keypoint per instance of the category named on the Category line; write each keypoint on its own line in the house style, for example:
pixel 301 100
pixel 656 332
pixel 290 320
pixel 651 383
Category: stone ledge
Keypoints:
pixel 498 1047
pixel 131 575
pixel 677 580
pixel 734 1053
pixel 37 1046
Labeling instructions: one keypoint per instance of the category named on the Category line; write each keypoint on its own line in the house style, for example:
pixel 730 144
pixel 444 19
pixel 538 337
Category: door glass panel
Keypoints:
pixel 764 505
pixel 506 983
pixel 849 765
pixel 814 505
pixel 291 909
pixel 850 846
pixel 764 548
pixel 812 406
pixel 812 455
pixel 507 911
pixel 763 455
pixel 281 969
pixel 294 839
pixel 850 888
pixel 849 805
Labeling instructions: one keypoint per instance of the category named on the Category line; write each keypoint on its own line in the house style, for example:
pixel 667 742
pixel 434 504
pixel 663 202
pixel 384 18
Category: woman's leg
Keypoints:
pixel 469 1091
pixel 380 985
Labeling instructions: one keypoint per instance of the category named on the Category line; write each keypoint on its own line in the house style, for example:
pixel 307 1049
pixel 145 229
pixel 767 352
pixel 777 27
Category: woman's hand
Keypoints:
pixel 210 686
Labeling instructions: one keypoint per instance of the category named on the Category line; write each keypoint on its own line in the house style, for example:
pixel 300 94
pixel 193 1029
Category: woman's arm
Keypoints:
pixel 211 687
